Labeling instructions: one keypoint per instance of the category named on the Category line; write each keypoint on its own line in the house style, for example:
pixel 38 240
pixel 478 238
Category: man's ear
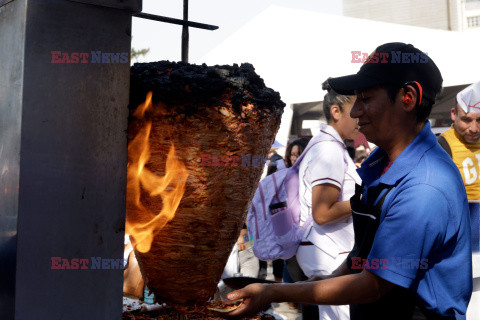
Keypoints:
pixel 453 114
pixel 335 112
pixel 410 98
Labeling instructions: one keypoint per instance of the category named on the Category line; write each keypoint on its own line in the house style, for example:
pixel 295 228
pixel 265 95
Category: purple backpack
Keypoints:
pixel 273 220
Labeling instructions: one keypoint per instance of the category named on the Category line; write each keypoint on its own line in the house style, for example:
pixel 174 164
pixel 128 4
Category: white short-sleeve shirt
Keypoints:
pixel 328 162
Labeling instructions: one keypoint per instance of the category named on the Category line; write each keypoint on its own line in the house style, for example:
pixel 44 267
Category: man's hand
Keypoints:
pixel 363 287
pixel 255 298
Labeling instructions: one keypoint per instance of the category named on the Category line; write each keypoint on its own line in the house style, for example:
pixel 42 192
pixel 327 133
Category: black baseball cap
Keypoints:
pixel 394 63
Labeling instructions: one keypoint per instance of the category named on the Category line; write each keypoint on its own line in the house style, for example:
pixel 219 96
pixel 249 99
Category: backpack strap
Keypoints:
pixel 275 186
pixel 375 192
pixel 444 144
pixel 262 196
pixel 311 144
pixel 380 202
pixel 254 211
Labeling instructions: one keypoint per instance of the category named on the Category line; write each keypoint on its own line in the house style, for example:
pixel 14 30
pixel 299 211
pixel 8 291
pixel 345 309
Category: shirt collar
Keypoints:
pixel 408 159
pixel 330 130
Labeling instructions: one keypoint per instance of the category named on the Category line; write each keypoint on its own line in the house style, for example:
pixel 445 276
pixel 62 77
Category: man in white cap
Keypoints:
pixel 462 140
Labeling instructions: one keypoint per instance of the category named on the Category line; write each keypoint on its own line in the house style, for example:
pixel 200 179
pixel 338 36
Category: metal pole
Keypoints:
pixel 174 21
pixel 185 36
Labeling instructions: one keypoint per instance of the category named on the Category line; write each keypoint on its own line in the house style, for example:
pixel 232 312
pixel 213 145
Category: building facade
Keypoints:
pixel 454 15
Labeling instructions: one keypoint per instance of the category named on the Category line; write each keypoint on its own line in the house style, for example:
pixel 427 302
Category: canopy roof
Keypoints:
pixel 294 51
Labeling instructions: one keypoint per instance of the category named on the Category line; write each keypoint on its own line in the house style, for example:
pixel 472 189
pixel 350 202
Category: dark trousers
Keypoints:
pixel 278 268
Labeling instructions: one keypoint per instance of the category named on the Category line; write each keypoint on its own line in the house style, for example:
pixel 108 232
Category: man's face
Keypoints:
pixel 375 114
pixel 467 125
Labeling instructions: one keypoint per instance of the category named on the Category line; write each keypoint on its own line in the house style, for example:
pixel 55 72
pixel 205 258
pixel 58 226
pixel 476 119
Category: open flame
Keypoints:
pixel 170 187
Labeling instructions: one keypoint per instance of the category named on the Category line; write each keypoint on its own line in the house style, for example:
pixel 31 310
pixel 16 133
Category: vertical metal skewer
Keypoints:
pixel 185 35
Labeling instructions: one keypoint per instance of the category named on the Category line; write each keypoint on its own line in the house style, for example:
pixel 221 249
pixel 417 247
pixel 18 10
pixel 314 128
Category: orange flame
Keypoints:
pixel 170 187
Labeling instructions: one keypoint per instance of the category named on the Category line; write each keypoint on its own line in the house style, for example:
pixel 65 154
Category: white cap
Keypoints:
pixel 469 98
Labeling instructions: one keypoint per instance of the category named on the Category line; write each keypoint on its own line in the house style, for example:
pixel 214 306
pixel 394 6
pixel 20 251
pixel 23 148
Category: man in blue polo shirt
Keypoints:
pixel 411 219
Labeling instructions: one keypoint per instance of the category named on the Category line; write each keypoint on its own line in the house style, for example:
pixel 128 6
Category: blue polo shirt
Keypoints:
pixel 424 231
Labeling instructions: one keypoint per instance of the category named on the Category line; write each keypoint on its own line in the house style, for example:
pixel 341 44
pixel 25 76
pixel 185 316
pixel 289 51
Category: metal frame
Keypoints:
pixel 175 21
pixel 185 23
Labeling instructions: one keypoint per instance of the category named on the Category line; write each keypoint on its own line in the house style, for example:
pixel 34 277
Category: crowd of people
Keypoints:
pixel 390 234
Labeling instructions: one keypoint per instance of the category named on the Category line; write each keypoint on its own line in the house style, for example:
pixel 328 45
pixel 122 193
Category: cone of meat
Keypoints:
pixel 198 139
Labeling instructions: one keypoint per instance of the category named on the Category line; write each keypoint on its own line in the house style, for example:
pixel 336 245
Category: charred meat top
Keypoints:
pixel 179 83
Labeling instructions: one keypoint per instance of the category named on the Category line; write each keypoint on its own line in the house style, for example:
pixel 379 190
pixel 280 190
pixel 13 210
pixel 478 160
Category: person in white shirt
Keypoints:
pixel 327 181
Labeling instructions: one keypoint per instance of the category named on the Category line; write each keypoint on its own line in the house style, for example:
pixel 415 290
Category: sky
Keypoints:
pixel 164 40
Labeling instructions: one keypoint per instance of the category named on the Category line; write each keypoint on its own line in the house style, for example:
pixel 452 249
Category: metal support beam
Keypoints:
pixel 63 158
